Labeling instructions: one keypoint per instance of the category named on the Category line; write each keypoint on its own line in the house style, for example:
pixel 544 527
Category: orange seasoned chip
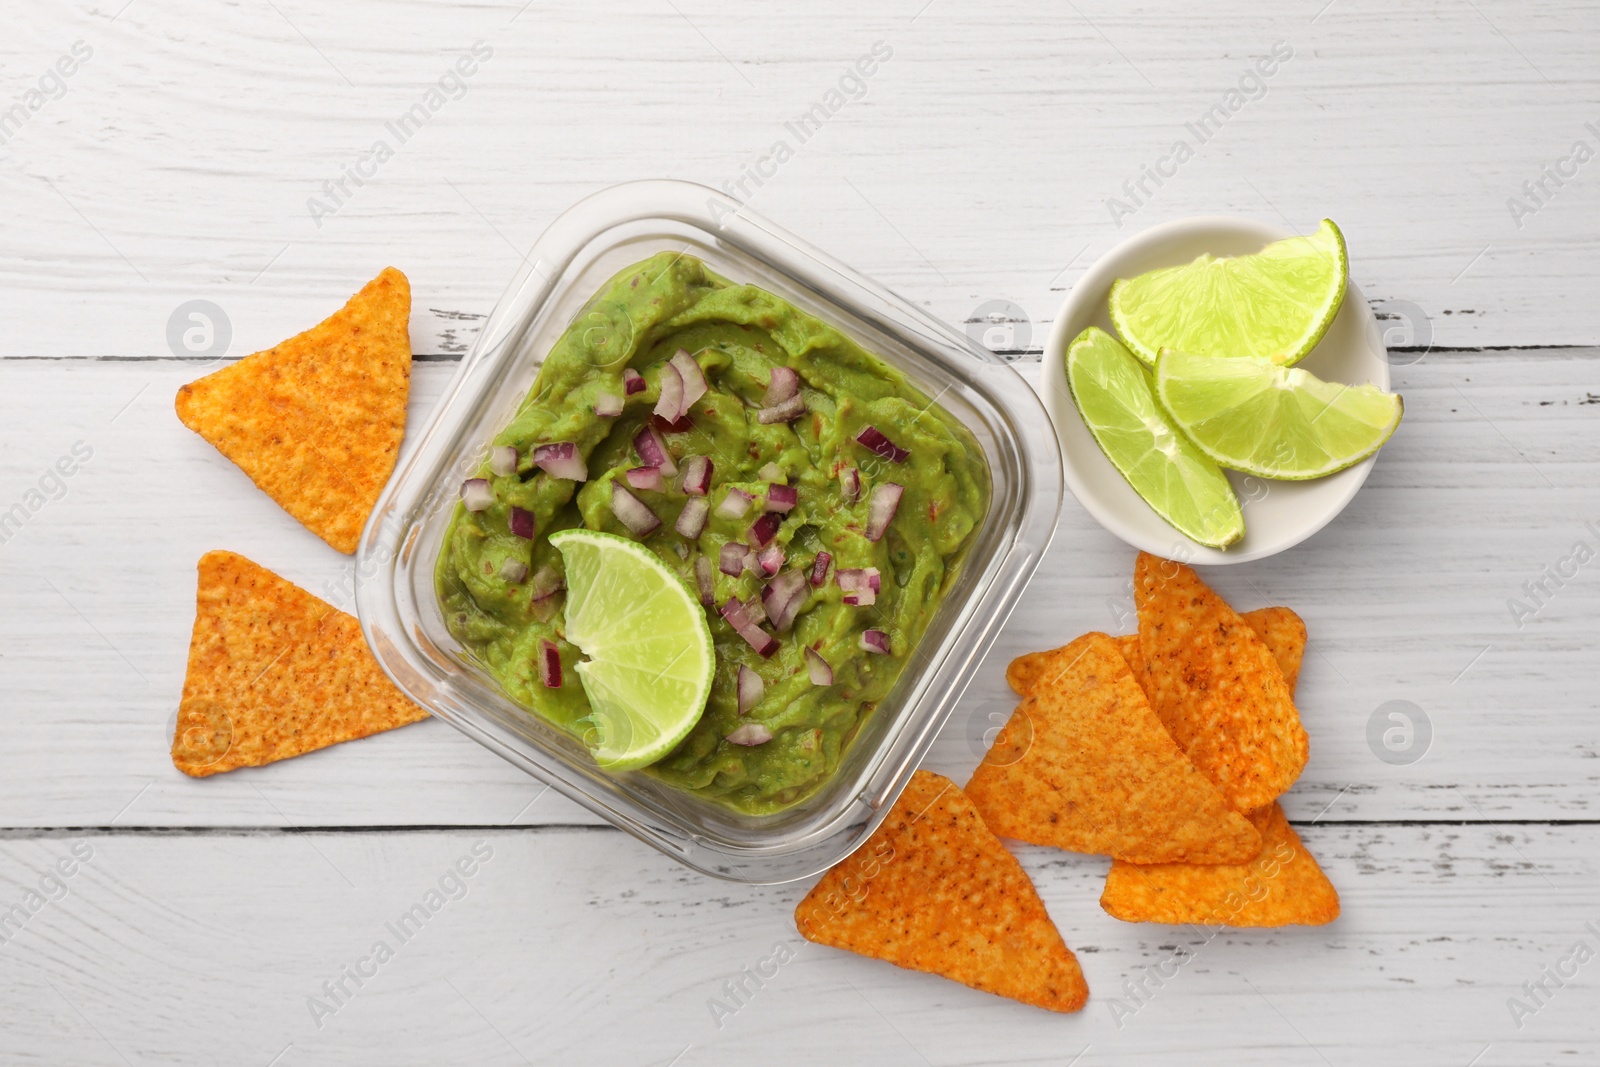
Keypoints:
pixel 274 672
pixel 1280 628
pixel 1284 634
pixel 1216 686
pixel 1084 764
pixel 1283 886
pixel 934 890
pixel 316 422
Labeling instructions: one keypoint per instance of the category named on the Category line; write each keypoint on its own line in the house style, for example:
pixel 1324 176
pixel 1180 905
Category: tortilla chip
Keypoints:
pixel 316 422
pixel 274 672
pixel 1284 634
pixel 1085 765
pixel 1280 628
pixel 1215 685
pixel 1281 887
pixel 933 890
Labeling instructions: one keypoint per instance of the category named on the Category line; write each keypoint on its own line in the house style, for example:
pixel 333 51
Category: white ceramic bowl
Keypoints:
pixel 1277 514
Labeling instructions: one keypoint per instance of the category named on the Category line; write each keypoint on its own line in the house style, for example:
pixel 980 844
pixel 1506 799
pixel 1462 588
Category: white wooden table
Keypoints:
pixel 176 163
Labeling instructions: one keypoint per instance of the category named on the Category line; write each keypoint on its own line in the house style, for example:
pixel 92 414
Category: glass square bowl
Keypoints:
pixel 404 624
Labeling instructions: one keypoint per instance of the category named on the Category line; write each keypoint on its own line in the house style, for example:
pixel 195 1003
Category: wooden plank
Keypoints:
pixel 978 164
pixel 1405 597
pixel 570 946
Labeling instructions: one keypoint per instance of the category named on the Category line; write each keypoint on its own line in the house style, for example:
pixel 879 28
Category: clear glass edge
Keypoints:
pixel 972 631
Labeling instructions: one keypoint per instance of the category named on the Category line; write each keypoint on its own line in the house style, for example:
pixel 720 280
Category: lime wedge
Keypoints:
pixel 1274 305
pixel 1112 391
pixel 1272 421
pixel 650 659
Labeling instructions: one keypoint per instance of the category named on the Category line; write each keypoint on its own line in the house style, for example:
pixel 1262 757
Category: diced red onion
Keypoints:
pixel 733 611
pixel 782 497
pixel 770 559
pixel 750 735
pixel 817 667
pixel 692 519
pixel 860 585
pixel 645 478
pixel 670 405
pixel 738 617
pixel 697 475
pixel 771 472
pixel 522 524
pixel 608 405
pixel 513 570
pixel 694 379
pixel 735 504
pixel 547 582
pixel 503 459
pixel 653 450
pixel 549 664
pixel 632 512
pixel 476 494
pixel 705 580
pixel 881 507
pixel 783 384
pixel 819 569
pixel 683 425
pixel 561 460
pixel 632 381
pixel 750 688
pixel 764 529
pixel 755 610
pixel 850 484
pixel 875 641
pixel 787 411
pixel 732 561
pixel 783 598
pixel 681 549
pixel 874 440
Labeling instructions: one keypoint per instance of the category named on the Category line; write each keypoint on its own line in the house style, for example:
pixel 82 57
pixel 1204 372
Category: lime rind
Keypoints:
pixel 1275 304
pixel 1253 416
pixel 650 661
pixel 1113 394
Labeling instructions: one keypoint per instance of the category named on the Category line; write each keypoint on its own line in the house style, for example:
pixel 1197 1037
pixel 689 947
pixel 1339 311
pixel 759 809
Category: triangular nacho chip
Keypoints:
pixel 316 422
pixel 1085 765
pixel 1283 631
pixel 1283 886
pixel 934 890
pixel 274 672
pixel 1216 686
pixel 1284 634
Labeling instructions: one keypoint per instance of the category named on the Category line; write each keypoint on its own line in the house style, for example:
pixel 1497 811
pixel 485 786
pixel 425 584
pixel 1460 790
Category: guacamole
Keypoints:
pixel 829 506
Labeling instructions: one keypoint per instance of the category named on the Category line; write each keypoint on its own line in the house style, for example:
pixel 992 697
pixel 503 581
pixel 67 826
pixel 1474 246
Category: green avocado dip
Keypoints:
pixel 841 499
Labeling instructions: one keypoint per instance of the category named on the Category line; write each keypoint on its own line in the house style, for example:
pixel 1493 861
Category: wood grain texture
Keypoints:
pixel 1404 596
pixel 977 165
pixel 569 946
pixel 177 163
